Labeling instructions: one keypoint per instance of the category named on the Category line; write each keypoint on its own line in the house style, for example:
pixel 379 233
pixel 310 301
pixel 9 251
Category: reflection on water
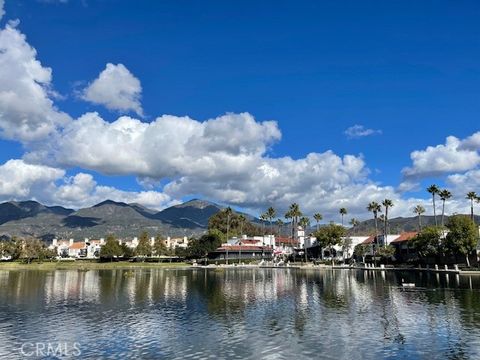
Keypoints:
pixel 263 313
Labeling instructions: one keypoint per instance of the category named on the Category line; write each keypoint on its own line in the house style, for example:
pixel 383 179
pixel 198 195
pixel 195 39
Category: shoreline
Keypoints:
pixel 87 265
pixel 125 265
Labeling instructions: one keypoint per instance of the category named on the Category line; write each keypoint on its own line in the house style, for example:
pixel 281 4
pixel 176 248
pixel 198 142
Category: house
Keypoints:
pixel 89 249
pixel 404 249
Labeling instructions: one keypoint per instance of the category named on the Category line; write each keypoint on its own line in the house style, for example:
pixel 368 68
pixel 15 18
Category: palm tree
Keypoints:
pixel 263 218
pixel 271 213
pixel 434 190
pixel 444 196
pixel 279 226
pixel 295 213
pixel 241 221
pixel 375 208
pixel 387 203
pixel 472 195
pixel 228 212
pixel 419 210
pixel 288 216
pixel 318 217
pixel 343 212
pixel 353 222
pixel 304 222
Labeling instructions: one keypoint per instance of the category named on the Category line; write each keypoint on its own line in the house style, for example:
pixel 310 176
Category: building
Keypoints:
pixel 237 253
pixel 89 248
pixel 176 243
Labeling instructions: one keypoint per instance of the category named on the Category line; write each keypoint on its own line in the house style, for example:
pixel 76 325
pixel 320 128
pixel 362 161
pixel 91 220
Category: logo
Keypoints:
pixel 44 349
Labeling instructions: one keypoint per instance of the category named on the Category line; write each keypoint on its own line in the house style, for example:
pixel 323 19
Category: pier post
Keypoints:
pixel 436 267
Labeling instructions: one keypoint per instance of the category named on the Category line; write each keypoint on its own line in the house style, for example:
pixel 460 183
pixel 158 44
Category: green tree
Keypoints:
pixel 387 203
pixel 444 196
pixel 318 217
pixel 329 236
pixel 434 190
pixel 472 196
pixel 419 210
pixel 361 250
pixel 462 237
pixel 126 252
pixel 428 242
pixel 11 248
pixel 144 248
pixel 343 211
pixel 111 248
pixel 159 247
pixel 199 248
pixel 386 252
pixel 34 249
pixel 237 226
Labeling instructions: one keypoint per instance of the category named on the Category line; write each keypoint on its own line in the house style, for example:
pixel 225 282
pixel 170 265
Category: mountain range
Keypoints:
pixel 30 218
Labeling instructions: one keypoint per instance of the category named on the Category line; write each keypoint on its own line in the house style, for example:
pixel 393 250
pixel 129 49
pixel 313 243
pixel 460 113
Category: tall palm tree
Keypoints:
pixel 343 211
pixel 304 222
pixel 434 190
pixel 263 218
pixel 279 226
pixel 375 208
pixel 271 213
pixel 419 210
pixel 472 195
pixel 444 196
pixel 228 212
pixel 318 217
pixel 241 221
pixel 294 209
pixel 288 216
pixel 387 203
pixel 353 222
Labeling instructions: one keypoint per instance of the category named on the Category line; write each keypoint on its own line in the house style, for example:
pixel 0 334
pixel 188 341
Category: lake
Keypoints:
pixel 238 314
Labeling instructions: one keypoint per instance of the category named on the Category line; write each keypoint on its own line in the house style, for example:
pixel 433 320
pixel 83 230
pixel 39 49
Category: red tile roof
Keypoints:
pixel 77 245
pixel 405 237
pixel 250 241
pixel 368 241
pixel 285 241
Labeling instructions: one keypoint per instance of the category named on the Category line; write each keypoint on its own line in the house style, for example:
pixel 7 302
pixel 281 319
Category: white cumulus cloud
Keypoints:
pixel 116 88
pixel 26 111
pixel 453 156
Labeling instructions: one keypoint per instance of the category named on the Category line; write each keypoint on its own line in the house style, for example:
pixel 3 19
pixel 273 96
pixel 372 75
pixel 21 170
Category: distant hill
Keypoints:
pixel 192 214
pixel 30 218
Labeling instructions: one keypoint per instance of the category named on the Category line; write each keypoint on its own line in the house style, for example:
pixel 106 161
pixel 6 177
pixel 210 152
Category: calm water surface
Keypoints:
pixel 263 313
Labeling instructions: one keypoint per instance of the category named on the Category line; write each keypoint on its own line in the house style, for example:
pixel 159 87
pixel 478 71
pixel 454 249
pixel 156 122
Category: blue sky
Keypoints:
pixel 408 70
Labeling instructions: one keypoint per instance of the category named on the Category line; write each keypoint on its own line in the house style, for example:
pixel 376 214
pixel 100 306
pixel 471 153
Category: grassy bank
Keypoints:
pixel 89 265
